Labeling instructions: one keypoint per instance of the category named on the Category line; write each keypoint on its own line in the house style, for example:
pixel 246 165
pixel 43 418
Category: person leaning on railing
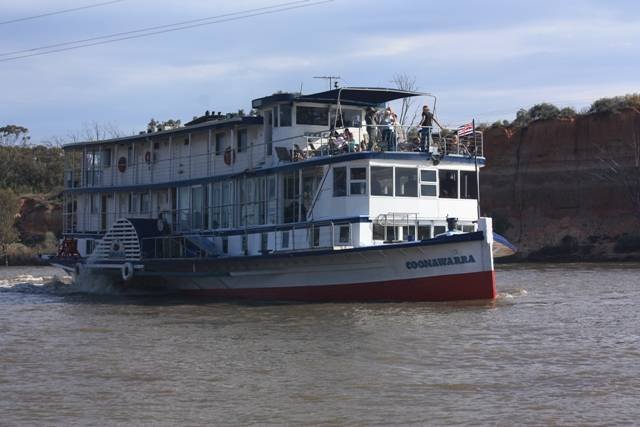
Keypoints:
pixel 426 123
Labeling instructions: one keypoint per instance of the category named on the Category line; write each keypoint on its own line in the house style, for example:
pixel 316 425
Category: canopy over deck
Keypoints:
pixel 360 95
pixel 364 96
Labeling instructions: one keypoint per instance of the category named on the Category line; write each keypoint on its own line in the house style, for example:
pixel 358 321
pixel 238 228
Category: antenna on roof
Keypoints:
pixel 330 79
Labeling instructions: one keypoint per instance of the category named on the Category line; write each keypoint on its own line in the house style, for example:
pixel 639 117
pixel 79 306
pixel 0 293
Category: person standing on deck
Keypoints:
pixel 426 124
pixel 372 131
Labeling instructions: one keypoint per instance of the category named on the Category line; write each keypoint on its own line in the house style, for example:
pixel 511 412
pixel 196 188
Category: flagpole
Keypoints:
pixel 475 160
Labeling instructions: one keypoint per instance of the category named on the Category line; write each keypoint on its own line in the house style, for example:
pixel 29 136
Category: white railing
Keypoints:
pixel 376 138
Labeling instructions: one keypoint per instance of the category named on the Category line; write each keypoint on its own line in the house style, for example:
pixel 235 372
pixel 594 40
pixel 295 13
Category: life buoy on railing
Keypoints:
pixel 127 271
pixel 147 157
pixel 229 156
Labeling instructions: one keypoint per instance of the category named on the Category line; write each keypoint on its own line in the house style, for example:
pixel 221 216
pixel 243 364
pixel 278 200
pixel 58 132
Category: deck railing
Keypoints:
pixel 377 138
pixel 285 237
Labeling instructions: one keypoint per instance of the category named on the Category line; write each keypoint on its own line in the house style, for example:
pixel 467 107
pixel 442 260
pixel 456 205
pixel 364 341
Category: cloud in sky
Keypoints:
pixel 495 57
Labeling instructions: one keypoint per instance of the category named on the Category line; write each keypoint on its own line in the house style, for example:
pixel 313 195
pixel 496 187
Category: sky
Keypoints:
pixel 482 59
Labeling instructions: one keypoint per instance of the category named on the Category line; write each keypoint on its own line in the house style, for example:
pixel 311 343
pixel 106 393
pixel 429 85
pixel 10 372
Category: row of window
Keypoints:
pixel 315 116
pixel 405 182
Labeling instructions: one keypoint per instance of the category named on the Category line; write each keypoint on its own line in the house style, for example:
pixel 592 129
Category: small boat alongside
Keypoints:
pixel 319 197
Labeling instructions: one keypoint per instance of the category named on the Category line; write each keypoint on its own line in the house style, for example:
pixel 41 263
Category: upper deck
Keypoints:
pixel 284 131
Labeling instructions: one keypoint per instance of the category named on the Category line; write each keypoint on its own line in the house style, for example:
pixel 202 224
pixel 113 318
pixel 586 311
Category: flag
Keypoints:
pixel 465 129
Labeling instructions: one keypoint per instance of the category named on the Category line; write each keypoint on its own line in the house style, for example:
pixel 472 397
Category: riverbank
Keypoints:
pixel 549 187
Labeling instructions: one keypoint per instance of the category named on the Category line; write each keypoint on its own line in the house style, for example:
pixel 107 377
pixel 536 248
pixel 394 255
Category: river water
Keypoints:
pixel 561 345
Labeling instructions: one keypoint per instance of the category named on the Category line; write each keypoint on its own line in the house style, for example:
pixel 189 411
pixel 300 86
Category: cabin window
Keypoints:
pixel 275 116
pixel 439 229
pixel 406 182
pixel 316 236
pixel 358 181
pixel 378 232
pixel 468 185
pixel 381 181
pixel 106 158
pixel 242 140
pixel 424 232
pixel 448 183
pixel 468 228
pixel 145 203
pixel 284 240
pixel 95 203
pixel 134 202
pixel 344 234
pixel 245 244
pixel 291 184
pixel 318 116
pixel 409 233
pixel 428 183
pixel 339 182
pixel 226 217
pixel 184 205
pixel 264 242
pixel 225 245
pixel 220 143
pixel 272 200
pixel 90 245
pixel 197 207
pixel 388 234
pixel 285 115
pixel 391 234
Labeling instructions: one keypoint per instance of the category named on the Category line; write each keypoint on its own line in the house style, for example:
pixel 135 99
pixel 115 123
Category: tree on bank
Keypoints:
pixel 8 212
pixel 408 83
pixel 13 134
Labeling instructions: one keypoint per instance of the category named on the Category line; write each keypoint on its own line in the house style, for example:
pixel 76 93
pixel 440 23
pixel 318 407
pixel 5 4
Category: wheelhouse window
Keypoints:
pixel 285 115
pixel 448 183
pixel 318 116
pixel 428 183
pixel 468 185
pixel 381 181
pixel 349 118
pixel 220 143
pixel 242 140
pixel 339 182
pixel 358 181
pixel 406 182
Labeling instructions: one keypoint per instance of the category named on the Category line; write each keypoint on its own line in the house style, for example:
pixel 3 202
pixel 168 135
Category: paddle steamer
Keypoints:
pixel 313 197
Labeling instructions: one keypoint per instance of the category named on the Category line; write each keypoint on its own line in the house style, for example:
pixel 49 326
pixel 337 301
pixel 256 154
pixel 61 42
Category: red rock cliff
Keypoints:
pixel 541 186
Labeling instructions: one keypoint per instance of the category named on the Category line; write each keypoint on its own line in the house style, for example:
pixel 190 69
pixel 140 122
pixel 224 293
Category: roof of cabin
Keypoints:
pixel 214 123
pixel 365 96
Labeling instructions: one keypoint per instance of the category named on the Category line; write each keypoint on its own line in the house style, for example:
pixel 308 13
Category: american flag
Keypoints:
pixel 465 129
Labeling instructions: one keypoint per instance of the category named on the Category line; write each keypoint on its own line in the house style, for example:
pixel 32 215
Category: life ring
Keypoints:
pixel 147 157
pixel 229 156
pixel 127 271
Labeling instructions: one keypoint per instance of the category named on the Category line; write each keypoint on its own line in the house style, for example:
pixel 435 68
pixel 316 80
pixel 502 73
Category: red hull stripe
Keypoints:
pixel 453 287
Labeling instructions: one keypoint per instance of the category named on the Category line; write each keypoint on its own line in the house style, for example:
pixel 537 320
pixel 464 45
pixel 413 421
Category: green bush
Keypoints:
pixel 615 104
